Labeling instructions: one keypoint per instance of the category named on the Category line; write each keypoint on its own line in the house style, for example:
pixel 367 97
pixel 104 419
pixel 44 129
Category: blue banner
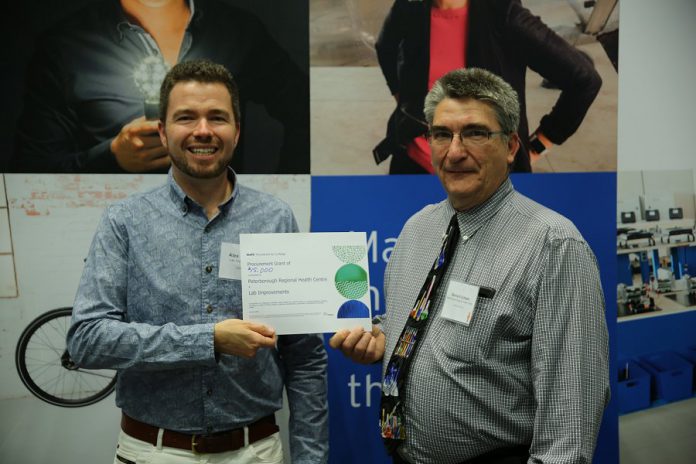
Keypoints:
pixel 380 206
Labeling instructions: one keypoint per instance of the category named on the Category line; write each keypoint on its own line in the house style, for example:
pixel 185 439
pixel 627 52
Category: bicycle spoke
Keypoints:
pixel 48 343
pixel 39 359
pixel 52 325
pixel 96 374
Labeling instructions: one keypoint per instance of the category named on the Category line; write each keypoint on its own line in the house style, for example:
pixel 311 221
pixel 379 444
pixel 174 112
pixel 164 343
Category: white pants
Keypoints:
pixel 133 451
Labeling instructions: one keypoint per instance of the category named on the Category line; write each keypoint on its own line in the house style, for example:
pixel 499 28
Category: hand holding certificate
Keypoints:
pixel 305 283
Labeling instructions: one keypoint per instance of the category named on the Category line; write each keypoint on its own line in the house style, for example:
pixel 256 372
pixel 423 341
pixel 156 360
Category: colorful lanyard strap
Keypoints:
pixel 391 415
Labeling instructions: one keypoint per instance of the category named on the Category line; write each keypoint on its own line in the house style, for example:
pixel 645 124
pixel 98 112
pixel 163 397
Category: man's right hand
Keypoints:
pixel 360 346
pixel 138 148
pixel 242 338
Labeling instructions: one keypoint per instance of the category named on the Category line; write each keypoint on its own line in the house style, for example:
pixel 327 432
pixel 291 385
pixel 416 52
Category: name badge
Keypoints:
pixel 230 264
pixel 460 302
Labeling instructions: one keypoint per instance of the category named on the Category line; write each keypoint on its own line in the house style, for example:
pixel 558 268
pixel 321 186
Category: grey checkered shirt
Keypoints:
pixel 532 366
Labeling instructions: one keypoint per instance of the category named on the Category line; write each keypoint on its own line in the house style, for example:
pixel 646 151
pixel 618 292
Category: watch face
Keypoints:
pixel 536 145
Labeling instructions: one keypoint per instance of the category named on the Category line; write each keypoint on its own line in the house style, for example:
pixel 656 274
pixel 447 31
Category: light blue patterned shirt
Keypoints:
pixel 147 303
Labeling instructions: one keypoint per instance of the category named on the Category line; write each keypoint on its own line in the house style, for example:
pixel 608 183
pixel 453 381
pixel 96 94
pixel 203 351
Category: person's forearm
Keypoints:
pixel 112 344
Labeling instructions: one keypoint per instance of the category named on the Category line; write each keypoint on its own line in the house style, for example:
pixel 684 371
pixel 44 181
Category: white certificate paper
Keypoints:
pixel 306 283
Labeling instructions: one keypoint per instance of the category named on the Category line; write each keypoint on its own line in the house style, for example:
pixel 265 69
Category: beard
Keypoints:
pixel 182 162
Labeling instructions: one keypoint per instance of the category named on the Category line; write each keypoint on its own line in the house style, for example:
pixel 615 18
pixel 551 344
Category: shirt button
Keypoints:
pixel 209 269
pixel 209 392
pixel 465 237
pixel 184 209
pixel 209 309
pixel 207 229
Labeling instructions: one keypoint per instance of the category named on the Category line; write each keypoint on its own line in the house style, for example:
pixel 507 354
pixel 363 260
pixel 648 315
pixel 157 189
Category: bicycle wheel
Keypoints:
pixel 45 367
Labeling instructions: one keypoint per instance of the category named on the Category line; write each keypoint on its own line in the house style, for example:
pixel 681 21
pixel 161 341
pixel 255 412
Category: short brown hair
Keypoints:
pixel 198 71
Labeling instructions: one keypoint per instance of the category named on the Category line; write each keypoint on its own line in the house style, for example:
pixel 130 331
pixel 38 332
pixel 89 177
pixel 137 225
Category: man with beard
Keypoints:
pixel 193 377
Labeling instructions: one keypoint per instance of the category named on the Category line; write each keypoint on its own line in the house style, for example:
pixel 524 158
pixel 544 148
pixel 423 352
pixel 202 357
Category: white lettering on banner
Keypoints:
pixel 373 252
pixel 372 245
pixel 355 390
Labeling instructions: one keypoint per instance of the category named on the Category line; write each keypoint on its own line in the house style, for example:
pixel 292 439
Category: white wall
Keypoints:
pixel 657 85
pixel 662 190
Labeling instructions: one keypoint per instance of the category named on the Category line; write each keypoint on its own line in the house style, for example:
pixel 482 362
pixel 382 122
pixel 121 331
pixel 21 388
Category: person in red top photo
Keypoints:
pixel 421 40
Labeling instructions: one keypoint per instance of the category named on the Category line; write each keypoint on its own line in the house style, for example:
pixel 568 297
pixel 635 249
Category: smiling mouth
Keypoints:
pixel 202 150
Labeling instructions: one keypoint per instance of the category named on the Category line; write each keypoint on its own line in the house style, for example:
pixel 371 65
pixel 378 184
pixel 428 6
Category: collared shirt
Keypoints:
pixel 80 86
pixel 532 366
pixel 147 303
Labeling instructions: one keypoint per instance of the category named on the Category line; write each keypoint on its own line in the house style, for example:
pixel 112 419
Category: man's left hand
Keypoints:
pixel 360 346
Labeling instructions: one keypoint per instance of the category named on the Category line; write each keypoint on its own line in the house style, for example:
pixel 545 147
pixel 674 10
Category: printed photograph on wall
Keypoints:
pixel 655 244
pixel 82 89
pixel 372 63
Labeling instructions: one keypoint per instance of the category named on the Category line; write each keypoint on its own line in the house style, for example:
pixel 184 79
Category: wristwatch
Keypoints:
pixel 537 145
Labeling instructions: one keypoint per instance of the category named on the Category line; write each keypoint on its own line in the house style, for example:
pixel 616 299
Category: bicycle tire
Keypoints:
pixel 44 366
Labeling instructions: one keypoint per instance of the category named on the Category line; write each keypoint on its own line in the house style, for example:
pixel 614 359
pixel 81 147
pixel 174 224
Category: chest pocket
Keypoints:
pixel 499 330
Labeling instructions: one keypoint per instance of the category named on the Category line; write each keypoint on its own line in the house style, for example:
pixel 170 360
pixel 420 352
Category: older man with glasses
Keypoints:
pixel 495 337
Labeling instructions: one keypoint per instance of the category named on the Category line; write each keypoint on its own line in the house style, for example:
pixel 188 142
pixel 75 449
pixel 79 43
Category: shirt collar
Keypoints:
pixel 192 8
pixel 472 219
pixel 184 202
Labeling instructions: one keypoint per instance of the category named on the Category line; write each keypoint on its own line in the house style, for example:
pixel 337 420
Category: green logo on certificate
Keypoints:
pixel 350 254
pixel 351 281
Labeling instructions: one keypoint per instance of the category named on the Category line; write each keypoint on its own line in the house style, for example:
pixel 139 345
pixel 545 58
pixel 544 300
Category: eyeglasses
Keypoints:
pixel 469 137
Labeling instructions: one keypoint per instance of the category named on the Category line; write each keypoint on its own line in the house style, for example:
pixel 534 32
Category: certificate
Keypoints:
pixel 306 283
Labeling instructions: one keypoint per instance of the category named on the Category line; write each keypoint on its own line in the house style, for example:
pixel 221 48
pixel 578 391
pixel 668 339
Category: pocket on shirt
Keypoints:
pixel 269 450
pixel 466 344
pixel 496 328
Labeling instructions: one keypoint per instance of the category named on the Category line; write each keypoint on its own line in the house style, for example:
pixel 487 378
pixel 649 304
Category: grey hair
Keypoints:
pixel 477 84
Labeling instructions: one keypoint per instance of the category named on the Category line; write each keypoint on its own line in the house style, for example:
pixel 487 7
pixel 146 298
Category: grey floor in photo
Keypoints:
pixel 664 435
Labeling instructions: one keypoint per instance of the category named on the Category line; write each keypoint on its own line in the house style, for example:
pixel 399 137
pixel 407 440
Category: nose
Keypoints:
pixel 202 128
pixel 457 149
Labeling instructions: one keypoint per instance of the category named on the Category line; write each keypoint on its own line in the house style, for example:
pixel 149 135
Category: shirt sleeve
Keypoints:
pixel 101 336
pixel 569 361
pixel 387 45
pixel 553 58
